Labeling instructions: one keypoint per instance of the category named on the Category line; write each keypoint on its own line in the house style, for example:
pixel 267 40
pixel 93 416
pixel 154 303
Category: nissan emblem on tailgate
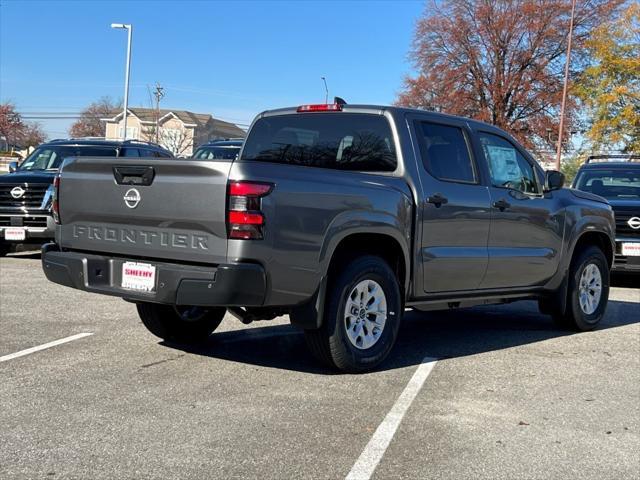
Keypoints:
pixel 132 198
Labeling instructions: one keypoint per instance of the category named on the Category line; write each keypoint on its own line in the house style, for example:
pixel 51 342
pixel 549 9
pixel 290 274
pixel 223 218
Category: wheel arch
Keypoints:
pixel 377 234
pixel 374 233
pixel 595 238
pixel 371 243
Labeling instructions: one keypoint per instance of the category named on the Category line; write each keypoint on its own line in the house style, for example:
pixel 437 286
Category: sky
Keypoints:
pixel 232 59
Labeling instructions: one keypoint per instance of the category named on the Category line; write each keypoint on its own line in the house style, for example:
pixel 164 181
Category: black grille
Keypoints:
pixel 628 261
pixel 38 222
pixel 31 199
pixel 623 214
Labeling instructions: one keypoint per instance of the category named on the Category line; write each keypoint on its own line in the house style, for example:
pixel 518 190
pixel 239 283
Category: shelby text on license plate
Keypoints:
pixel 139 276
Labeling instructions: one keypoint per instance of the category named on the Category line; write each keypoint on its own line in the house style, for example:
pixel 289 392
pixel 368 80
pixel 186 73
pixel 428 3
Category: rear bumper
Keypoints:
pixel 241 285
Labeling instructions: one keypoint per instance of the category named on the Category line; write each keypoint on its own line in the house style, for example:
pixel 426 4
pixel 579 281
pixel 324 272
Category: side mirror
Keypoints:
pixel 13 166
pixel 553 180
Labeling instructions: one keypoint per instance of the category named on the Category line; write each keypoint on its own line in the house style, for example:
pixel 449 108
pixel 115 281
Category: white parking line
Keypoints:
pixel 373 452
pixel 44 346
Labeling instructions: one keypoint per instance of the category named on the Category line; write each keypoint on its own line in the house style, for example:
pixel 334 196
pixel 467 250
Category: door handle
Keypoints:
pixel 501 204
pixel 134 175
pixel 437 199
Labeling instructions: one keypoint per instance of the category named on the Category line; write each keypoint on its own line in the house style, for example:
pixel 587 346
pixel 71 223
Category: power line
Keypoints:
pixel 76 115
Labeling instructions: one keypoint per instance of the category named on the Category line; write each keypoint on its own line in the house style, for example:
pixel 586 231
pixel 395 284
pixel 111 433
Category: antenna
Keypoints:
pixel 326 90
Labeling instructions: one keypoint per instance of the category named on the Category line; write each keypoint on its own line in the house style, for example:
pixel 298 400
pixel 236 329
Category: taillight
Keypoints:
pixel 322 107
pixel 245 220
pixel 55 208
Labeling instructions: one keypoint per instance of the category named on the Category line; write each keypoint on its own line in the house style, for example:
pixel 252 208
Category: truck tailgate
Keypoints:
pixel 150 208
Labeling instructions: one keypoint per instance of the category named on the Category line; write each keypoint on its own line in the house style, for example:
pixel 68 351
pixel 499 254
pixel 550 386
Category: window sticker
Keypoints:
pixel 503 164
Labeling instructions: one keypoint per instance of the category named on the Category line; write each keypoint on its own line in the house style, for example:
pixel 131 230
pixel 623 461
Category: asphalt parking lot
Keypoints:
pixel 508 397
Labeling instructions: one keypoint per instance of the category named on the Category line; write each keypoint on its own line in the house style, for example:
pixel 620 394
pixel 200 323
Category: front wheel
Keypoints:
pixel 362 316
pixel 181 324
pixel 588 292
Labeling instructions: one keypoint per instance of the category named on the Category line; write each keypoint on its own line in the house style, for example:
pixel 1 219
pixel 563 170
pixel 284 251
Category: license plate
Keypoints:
pixel 138 276
pixel 14 234
pixel 631 249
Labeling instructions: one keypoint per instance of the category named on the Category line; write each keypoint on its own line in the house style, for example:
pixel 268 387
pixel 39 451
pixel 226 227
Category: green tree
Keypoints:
pixel 610 86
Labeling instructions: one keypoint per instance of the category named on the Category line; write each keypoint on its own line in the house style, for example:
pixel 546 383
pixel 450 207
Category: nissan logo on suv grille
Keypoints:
pixel 17 192
pixel 634 222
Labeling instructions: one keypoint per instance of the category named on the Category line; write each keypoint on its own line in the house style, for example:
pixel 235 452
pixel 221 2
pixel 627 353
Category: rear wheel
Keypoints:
pixel 587 292
pixel 182 324
pixel 361 319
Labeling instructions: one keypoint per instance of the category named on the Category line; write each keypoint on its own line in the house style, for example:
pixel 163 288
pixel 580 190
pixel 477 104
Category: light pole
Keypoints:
pixel 326 90
pixel 564 88
pixel 129 29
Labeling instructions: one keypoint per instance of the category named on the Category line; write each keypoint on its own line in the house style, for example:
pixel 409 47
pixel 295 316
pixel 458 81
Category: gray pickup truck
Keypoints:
pixel 342 216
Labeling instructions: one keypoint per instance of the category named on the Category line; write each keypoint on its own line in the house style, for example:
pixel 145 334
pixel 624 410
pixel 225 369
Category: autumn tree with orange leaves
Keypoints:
pixel 501 61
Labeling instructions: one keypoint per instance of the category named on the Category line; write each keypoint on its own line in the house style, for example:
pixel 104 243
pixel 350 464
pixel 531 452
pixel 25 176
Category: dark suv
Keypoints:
pixel 617 178
pixel 26 191
pixel 219 150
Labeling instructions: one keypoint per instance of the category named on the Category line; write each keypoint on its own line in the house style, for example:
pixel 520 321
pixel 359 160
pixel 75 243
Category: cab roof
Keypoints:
pixel 379 110
pixel 612 160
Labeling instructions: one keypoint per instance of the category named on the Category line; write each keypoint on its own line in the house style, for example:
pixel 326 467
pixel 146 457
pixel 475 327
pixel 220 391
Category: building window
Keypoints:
pixel 132 133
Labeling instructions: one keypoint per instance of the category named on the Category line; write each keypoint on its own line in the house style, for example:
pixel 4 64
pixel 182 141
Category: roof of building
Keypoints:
pixel 149 115
pixel 221 128
pixel 227 130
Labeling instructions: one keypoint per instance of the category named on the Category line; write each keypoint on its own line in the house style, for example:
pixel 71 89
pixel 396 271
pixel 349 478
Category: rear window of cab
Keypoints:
pixel 340 141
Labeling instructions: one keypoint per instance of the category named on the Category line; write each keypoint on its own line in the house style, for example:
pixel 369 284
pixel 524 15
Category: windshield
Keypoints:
pixel 614 183
pixel 227 152
pixel 51 157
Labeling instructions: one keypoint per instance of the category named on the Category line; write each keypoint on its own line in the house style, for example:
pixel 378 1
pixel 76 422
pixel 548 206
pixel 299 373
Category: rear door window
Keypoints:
pixel 130 152
pixel 445 152
pixel 340 141
pixel 148 153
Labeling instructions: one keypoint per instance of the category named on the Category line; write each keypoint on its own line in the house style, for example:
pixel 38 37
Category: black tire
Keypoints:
pixel 180 324
pixel 575 317
pixel 331 344
pixel 4 248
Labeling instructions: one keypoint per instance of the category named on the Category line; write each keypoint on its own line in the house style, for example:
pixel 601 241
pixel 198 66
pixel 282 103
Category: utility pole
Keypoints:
pixel 159 94
pixel 564 88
